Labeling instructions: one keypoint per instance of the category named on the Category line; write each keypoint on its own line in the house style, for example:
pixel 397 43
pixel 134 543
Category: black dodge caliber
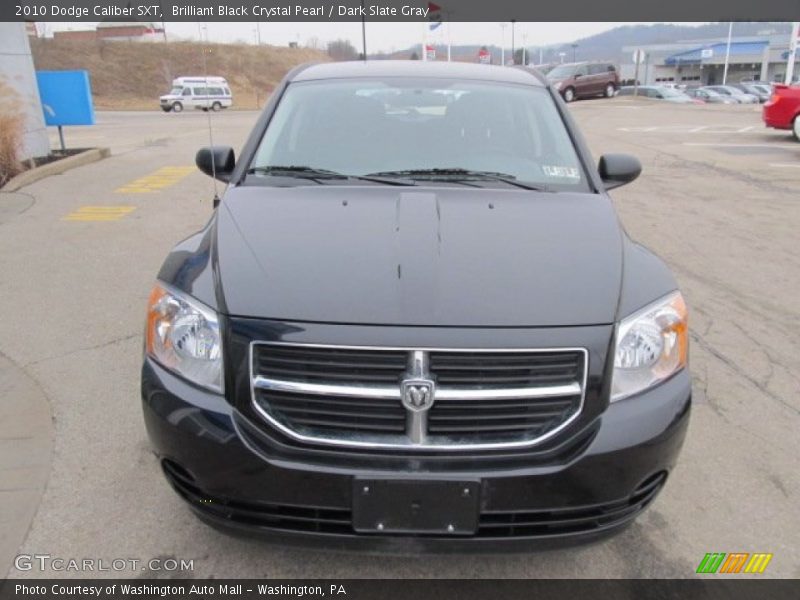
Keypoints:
pixel 414 322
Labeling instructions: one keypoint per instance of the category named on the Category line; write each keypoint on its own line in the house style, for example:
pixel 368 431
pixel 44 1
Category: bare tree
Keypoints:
pixel 341 50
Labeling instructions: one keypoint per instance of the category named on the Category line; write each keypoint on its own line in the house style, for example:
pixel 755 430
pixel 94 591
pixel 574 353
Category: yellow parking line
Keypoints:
pixel 99 213
pixel 156 181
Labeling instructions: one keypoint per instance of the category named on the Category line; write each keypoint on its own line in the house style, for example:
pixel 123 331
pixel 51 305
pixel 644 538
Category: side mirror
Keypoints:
pixel 216 161
pixel 618 169
pixel 577 75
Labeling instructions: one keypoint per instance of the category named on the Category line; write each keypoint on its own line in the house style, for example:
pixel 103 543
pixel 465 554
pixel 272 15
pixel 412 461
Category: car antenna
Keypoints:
pixel 363 32
pixel 203 48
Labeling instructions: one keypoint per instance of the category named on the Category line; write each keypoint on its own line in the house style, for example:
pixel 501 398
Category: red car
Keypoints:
pixel 782 110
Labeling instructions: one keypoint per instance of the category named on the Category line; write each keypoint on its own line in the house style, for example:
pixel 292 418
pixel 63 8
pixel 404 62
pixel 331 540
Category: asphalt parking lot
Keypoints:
pixel 718 200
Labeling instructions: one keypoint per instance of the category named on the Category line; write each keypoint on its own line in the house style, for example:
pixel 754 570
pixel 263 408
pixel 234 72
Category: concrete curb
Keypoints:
pixel 56 168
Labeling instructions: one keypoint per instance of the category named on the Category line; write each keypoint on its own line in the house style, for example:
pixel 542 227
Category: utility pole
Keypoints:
pixel 574 48
pixel 258 33
pixel 727 54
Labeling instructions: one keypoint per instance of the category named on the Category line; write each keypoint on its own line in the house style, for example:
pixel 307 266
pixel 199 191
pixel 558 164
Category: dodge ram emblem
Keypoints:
pixel 417 394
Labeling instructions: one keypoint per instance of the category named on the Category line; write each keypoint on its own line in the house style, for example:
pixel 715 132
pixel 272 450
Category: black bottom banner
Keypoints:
pixel 396 589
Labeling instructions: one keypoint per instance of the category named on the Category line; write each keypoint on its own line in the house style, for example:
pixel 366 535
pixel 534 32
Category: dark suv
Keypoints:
pixel 579 80
pixel 414 321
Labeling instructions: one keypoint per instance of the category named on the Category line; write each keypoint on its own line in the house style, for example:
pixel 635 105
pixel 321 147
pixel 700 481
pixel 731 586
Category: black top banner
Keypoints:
pixel 398 10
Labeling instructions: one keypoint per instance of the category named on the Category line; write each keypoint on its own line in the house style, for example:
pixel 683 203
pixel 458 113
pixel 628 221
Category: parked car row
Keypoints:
pixel 658 92
pixel 742 93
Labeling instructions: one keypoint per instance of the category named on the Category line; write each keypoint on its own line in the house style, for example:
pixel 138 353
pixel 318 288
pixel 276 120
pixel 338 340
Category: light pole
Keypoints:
pixel 574 48
pixel 727 54
pixel 793 43
pixel 524 48
pixel 503 44
pixel 513 56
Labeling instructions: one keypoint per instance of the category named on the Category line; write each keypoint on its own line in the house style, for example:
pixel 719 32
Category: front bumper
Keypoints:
pixel 239 479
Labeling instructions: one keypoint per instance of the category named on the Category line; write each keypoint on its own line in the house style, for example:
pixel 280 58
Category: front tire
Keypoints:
pixel 796 128
pixel 166 108
pixel 177 107
pixel 569 94
pixel 610 90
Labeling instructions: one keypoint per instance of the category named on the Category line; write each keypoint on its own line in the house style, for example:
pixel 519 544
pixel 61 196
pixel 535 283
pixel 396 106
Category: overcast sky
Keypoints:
pixel 382 37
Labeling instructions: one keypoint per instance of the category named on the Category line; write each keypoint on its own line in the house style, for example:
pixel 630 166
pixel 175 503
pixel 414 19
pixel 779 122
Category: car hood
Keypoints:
pixel 418 256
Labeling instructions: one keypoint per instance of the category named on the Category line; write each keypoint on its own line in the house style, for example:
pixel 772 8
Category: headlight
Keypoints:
pixel 558 85
pixel 183 336
pixel 652 345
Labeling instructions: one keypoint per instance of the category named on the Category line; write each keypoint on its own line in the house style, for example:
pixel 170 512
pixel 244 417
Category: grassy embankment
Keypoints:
pixel 132 75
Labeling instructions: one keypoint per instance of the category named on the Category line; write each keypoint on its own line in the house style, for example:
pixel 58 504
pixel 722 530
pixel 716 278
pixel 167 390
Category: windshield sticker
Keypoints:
pixel 558 171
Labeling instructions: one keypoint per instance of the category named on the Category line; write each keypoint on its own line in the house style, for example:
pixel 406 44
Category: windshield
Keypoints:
pixel 392 126
pixel 176 91
pixel 561 72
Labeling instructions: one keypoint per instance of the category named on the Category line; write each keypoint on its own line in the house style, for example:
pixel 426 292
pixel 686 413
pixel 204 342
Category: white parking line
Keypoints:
pixel 722 129
pixel 725 145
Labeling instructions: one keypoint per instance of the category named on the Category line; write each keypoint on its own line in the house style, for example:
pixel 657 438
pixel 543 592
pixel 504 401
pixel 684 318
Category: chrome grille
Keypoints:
pixel 458 399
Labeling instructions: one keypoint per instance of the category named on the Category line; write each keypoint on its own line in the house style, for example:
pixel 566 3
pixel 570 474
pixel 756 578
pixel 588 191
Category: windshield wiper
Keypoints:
pixel 313 173
pixel 296 171
pixel 459 175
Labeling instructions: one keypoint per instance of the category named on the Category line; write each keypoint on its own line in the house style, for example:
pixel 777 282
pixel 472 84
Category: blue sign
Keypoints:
pixel 66 97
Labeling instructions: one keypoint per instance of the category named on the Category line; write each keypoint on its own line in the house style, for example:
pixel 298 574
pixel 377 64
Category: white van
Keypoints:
pixel 198 92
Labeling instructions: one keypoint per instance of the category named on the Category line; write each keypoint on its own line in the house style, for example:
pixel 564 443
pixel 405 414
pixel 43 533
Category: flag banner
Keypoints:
pixel 91 11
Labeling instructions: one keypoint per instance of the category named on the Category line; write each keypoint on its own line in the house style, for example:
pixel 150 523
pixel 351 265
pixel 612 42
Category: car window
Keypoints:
pixel 363 126
pixel 581 70
pixel 187 91
pixel 597 69
pixel 561 72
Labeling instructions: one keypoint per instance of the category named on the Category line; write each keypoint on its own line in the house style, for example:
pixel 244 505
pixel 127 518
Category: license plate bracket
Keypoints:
pixel 410 506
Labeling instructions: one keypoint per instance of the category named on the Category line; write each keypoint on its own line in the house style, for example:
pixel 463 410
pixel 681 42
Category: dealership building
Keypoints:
pixel 702 62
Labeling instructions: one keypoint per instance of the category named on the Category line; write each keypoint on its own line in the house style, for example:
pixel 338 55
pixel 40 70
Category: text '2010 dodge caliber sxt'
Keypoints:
pixel 414 321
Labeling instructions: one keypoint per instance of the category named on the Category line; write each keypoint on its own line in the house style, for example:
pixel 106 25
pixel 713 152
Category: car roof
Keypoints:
pixel 417 68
